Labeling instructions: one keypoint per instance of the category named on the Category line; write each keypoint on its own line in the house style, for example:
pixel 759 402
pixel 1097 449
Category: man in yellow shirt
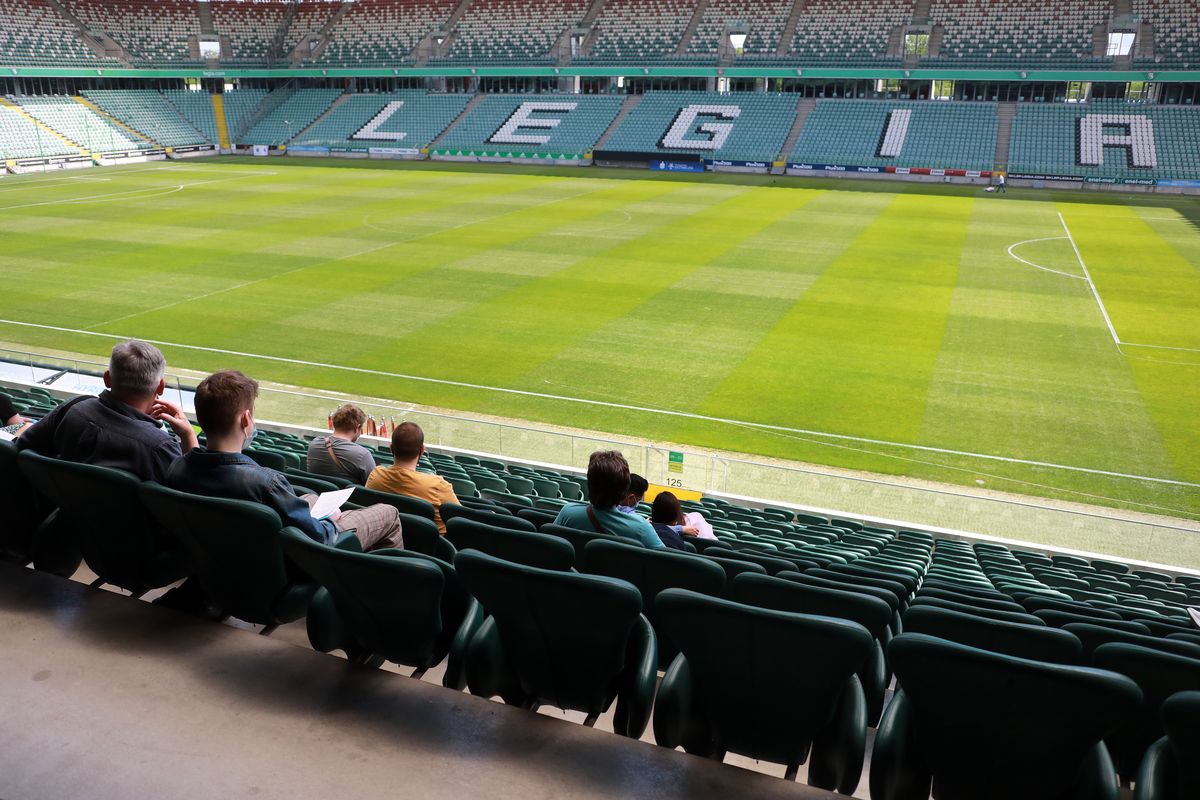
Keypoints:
pixel 408 443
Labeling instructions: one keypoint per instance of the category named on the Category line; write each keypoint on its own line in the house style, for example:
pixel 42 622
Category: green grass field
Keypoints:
pixel 860 319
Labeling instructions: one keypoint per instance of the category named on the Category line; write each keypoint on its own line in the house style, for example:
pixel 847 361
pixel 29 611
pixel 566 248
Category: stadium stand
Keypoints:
pixel 513 30
pixel 247 29
pixel 1175 23
pixel 639 30
pixel 750 126
pixel 836 31
pixel 990 33
pixel 935 135
pixel 568 124
pixel 1053 140
pixel 421 119
pixel 240 106
pixel 152 32
pixel 21 137
pixel 290 117
pixel 81 124
pixel 381 33
pixel 35 34
pixel 196 108
pixel 308 19
pixel 764 23
pixel 149 113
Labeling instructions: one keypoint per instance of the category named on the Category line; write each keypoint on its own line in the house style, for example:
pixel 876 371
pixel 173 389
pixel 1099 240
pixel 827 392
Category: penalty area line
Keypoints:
pixel 607 404
pixel 1088 277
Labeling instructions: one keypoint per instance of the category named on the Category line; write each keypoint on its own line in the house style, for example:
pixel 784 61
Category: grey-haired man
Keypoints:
pixel 122 426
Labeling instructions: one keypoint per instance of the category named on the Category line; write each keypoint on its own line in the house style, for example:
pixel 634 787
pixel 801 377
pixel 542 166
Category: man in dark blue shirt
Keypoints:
pixel 225 410
pixel 123 426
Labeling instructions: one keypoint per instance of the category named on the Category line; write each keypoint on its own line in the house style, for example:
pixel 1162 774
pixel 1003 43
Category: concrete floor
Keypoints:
pixel 295 634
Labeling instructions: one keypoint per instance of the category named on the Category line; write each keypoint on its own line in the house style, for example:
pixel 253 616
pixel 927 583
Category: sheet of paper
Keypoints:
pixel 329 502
pixel 5 436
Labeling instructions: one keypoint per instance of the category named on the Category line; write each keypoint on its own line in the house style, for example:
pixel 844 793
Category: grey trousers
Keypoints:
pixel 376 526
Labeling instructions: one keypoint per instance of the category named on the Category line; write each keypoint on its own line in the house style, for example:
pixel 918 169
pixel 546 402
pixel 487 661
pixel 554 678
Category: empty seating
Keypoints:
pixel 197 109
pixel 362 121
pixel 381 33
pixel 639 29
pixel 899 134
pixel 763 23
pixel 513 30
pixel 240 106
pixel 290 117
pixel 21 137
pixel 35 34
pixel 1119 140
pixel 745 126
pixel 149 113
pixel 1174 23
pixel 153 32
pixel 247 30
pixel 995 33
pixel 555 124
pixel 81 125
pixel 832 31
pixel 1170 771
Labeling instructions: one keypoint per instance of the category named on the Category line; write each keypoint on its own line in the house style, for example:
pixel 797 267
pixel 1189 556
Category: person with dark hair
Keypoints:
pixel 666 515
pixel 339 453
pixel 637 491
pixel 225 410
pixel 11 421
pixel 408 444
pixel 608 486
pixel 122 427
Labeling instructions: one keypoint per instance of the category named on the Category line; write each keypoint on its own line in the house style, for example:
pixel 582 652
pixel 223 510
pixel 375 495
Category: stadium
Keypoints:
pixel 707 398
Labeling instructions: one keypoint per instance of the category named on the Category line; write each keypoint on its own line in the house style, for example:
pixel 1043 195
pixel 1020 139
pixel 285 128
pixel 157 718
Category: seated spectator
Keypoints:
pixel 123 426
pixel 666 515
pixel 11 420
pixel 225 409
pixel 608 486
pixel 637 492
pixel 696 520
pixel 337 454
pixel 408 444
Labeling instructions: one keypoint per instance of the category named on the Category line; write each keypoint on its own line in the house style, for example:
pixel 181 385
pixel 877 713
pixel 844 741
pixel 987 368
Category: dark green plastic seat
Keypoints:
pixel 237 554
pixel 300 475
pixel 1170 770
pixel 979 725
pixel 1092 636
pixel 578 539
pixel 1060 618
pixel 391 605
pixel 652 571
pixel 571 641
pixel 732 565
pixel 1018 617
pixel 834 573
pixel 24 511
pixel 269 459
pixel 872 613
pixel 970 599
pixel 523 547
pixel 1036 642
pixel 765 684
pixel 101 507
pixel 537 516
pixel 1159 675
pixel 495 517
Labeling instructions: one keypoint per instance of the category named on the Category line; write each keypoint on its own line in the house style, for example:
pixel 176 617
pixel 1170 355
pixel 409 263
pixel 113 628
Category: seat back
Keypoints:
pixel 391 606
pixel 967 716
pixel 1159 675
pixel 502 519
pixel 1037 642
pixel 652 571
pixel 1181 720
pixel 237 553
pixel 118 540
pixel 784 595
pixel 1060 618
pixel 524 547
pixel 23 509
pixel 1092 636
pixel 564 634
pixel 578 539
pixel 754 672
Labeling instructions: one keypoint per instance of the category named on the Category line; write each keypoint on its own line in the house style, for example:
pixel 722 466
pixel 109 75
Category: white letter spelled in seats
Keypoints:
pixel 895 131
pixel 685 125
pixel 371 129
pixel 1137 139
pixel 523 118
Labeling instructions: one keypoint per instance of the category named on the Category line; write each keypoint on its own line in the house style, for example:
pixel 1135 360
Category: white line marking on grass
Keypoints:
pixel 1088 277
pixel 1039 266
pixel 64 179
pixel 102 198
pixel 1163 347
pixel 605 404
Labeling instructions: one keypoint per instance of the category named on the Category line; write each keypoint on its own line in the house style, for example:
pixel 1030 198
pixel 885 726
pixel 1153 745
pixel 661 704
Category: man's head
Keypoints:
pixel 225 405
pixel 348 421
pixel 607 478
pixel 135 371
pixel 408 442
pixel 637 490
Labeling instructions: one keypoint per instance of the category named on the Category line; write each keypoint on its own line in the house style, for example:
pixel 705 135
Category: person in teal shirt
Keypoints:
pixel 608 484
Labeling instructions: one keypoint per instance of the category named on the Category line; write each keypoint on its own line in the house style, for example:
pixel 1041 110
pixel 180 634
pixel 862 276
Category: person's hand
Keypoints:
pixel 335 516
pixel 690 531
pixel 168 412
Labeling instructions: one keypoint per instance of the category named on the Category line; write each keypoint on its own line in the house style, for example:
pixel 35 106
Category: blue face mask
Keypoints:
pixel 250 438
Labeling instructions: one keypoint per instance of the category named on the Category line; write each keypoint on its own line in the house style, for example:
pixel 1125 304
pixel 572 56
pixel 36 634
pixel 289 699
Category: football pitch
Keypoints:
pixel 1040 343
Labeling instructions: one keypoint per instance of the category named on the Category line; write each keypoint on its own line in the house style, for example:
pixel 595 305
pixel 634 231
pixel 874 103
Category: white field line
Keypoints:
pixel 1088 277
pixel 102 198
pixel 606 404
pixel 1162 347
pixel 1015 245
pixel 30 184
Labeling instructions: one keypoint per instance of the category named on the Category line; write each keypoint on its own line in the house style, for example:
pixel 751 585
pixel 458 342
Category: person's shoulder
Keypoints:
pixel 573 511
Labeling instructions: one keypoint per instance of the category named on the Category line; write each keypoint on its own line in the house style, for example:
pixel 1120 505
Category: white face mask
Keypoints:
pixel 249 438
